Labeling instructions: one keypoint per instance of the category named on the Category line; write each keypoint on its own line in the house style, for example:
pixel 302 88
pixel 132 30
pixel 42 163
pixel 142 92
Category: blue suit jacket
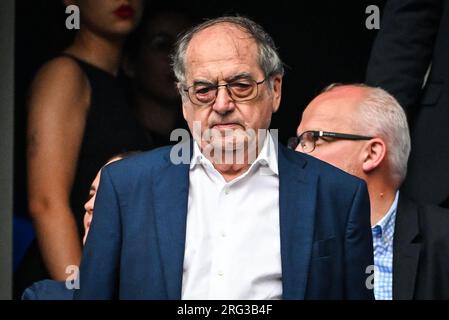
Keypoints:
pixel 135 248
pixel 48 290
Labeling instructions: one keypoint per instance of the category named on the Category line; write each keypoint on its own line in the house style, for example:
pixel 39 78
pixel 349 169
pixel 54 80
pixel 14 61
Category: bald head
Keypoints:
pixel 361 110
pixel 334 110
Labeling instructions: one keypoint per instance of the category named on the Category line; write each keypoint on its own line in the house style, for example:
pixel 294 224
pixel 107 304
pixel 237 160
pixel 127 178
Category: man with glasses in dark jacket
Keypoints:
pixel 363 131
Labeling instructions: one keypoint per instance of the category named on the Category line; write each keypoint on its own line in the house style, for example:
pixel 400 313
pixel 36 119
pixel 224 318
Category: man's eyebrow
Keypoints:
pixel 243 75
pixel 202 82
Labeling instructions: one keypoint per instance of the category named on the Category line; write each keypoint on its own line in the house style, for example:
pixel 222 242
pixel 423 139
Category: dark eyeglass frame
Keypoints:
pixel 228 89
pixel 295 141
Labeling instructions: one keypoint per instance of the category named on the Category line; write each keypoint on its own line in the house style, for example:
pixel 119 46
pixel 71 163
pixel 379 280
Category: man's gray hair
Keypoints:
pixel 381 115
pixel 269 60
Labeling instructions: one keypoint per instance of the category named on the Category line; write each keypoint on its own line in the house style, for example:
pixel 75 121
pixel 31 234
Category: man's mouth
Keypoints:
pixel 224 126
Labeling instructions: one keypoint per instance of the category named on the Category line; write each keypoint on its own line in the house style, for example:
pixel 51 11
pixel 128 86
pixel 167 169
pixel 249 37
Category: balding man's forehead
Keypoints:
pixel 326 115
pixel 223 35
pixel 227 28
pixel 347 91
pixel 329 113
pixel 351 88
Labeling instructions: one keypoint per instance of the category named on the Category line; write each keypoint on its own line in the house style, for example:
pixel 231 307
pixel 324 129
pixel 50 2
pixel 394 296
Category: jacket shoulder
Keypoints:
pixel 429 222
pixel 140 164
pixel 434 222
pixel 328 174
pixel 48 290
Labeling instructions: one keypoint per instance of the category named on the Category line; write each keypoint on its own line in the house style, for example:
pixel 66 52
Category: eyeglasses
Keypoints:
pixel 307 140
pixel 240 90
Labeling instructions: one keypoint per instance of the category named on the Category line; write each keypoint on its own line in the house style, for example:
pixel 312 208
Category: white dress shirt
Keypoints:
pixel 232 248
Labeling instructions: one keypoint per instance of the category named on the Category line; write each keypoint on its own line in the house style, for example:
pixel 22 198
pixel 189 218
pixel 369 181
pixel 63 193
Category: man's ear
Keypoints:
pixel 374 153
pixel 277 92
pixel 183 100
pixel 128 67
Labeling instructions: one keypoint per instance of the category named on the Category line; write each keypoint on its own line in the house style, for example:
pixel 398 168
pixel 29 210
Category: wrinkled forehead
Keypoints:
pixel 329 112
pixel 223 34
pixel 222 44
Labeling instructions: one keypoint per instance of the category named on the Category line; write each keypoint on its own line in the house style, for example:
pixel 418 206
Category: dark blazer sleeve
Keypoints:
pixel 99 270
pixel 48 290
pixel 402 51
pixel 358 246
pixel 30 293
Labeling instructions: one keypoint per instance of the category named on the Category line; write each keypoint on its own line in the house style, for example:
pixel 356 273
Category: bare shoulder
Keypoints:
pixel 61 79
pixel 61 68
pixel 58 103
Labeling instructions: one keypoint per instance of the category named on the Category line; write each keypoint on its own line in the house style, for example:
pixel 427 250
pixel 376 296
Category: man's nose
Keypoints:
pixel 223 102
pixel 88 206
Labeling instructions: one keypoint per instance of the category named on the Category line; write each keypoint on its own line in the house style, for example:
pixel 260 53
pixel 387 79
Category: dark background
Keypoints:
pixel 320 42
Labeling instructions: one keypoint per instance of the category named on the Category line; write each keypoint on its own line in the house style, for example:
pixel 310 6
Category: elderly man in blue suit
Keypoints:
pixel 243 217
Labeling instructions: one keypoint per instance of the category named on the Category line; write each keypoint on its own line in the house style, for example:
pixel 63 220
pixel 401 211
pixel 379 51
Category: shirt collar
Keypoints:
pixel 197 157
pixel 385 227
pixel 267 156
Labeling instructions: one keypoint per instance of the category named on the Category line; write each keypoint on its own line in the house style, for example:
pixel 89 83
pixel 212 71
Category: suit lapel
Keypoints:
pixel 297 204
pixel 170 198
pixel 405 250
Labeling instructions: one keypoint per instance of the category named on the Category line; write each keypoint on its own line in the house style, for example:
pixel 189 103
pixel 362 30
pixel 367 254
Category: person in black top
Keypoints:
pixel 78 118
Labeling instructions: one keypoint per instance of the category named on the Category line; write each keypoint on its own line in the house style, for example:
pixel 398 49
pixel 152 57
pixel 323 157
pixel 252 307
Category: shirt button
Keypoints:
pixel 223 234
pixel 227 191
pixel 221 273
